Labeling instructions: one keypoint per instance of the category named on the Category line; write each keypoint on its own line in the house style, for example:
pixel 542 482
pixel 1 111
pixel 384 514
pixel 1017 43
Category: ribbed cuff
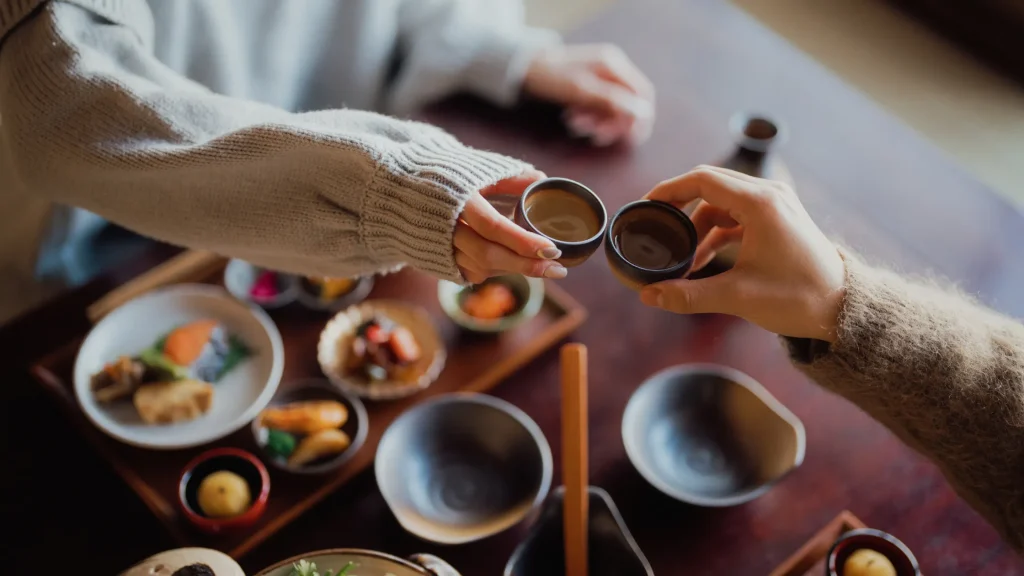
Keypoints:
pixel 499 67
pixel 416 196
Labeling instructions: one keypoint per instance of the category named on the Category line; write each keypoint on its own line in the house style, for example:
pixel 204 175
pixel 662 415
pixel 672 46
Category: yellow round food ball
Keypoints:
pixel 224 494
pixel 866 562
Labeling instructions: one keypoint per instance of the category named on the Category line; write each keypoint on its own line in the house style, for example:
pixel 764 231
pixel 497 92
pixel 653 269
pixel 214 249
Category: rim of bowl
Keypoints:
pixel 452 309
pixel 733 375
pixel 258 503
pixel 739 121
pixel 830 558
pixel 517 414
pixel 362 428
pixel 521 206
pixel 361 288
pixel 287 296
pixel 349 551
pixel 273 377
pixel 691 231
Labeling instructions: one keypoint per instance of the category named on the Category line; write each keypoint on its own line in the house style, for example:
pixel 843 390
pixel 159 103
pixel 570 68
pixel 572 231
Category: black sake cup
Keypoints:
pixel 632 275
pixel 573 253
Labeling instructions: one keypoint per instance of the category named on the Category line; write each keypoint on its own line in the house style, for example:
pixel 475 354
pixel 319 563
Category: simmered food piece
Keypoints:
pixel 490 301
pixel 265 288
pixel 331 288
pixel 194 570
pixel 305 417
pixel 866 562
pixel 223 494
pixel 177 401
pixel 319 445
pixel 118 379
pixel 381 350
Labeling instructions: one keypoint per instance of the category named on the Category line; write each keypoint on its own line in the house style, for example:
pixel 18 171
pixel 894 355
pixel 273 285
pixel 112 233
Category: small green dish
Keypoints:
pixel 529 294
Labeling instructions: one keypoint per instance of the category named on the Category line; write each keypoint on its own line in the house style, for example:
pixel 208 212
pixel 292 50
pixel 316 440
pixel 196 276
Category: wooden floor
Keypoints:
pixel 971 113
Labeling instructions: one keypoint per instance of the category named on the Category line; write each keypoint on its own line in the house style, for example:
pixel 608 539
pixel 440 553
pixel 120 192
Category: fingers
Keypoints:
pixel 514 185
pixel 616 67
pixel 709 295
pixel 480 259
pixel 716 240
pixel 706 217
pixel 720 188
pixel 594 93
pixel 487 222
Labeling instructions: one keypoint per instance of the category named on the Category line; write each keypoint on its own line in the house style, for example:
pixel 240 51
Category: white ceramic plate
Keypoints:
pixel 237 398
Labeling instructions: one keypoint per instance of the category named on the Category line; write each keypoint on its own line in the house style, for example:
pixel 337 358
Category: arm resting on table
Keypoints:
pixel 943 373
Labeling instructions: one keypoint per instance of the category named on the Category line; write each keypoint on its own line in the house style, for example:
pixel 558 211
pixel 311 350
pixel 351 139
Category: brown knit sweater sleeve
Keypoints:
pixel 90 118
pixel 943 373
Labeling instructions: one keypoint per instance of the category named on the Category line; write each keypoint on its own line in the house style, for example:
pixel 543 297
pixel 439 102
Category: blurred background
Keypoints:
pixel 951 69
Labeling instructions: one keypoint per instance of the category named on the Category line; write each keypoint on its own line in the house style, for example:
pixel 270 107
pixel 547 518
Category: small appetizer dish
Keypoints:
pixel 311 427
pixel 869 552
pixel 497 305
pixel 333 294
pixel 178 367
pixel 223 489
pixel 355 562
pixel 381 350
pixel 261 286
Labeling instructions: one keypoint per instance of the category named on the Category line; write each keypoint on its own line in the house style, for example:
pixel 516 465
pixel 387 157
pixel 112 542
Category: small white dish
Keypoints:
pixel 133 327
pixel 240 276
pixel 529 292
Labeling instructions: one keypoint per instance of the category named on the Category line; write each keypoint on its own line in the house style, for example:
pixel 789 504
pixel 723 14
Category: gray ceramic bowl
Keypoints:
pixel 529 292
pixel 710 435
pixel 573 253
pixel 461 467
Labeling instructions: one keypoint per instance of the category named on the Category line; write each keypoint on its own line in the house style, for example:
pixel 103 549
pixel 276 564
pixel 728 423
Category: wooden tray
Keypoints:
pixel 475 363
pixel 809 560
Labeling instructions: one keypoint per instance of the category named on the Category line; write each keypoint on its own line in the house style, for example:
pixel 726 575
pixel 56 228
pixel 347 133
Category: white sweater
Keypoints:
pixel 192 121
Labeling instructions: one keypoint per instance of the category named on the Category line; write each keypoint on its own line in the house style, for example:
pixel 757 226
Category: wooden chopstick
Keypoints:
pixel 189 266
pixel 574 458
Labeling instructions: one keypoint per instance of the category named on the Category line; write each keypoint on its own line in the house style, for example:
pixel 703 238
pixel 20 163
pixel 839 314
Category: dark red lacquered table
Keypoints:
pixel 863 175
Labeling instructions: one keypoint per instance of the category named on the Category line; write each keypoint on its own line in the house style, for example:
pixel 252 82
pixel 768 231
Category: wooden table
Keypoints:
pixel 862 174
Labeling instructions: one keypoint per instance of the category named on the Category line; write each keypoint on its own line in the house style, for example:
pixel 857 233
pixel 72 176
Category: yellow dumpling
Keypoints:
pixel 865 562
pixel 224 494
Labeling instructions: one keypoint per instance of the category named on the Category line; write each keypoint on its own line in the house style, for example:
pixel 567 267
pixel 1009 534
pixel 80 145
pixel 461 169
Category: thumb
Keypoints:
pixel 707 295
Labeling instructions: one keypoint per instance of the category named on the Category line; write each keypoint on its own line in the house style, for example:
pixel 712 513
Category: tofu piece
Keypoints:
pixel 170 402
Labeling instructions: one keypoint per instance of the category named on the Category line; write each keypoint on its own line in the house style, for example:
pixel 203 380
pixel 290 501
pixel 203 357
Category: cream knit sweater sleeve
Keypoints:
pixel 943 373
pixel 89 117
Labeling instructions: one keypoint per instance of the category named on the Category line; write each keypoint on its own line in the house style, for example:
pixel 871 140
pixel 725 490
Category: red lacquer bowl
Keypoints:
pixel 234 460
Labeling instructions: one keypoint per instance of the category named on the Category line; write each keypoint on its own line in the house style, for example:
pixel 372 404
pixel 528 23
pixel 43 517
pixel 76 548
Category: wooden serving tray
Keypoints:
pixel 475 363
pixel 809 560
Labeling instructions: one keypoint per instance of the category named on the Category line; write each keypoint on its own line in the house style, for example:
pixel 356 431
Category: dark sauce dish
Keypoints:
pixel 233 460
pixel 573 253
pixel 677 240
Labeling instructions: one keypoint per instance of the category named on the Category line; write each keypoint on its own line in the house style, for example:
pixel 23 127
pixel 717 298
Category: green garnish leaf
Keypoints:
pixel 280 443
pixel 344 571
pixel 237 351
pixel 156 360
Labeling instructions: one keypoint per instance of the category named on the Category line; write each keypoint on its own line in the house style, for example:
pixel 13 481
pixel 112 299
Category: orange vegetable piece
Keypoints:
pixel 490 302
pixel 184 344
pixel 305 417
pixel 404 345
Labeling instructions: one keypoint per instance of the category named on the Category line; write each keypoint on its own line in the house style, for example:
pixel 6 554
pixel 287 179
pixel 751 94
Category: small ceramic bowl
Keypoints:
pixel 632 275
pixel 529 295
pixel 886 544
pixel 169 562
pixel 611 549
pixel 240 277
pixel 356 426
pixel 336 338
pixel 309 297
pixel 461 467
pixel 710 435
pixel 573 253
pixel 234 460
pixel 367 562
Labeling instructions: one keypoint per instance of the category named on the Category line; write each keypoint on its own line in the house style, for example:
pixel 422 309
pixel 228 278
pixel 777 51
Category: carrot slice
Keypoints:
pixel 404 345
pixel 184 344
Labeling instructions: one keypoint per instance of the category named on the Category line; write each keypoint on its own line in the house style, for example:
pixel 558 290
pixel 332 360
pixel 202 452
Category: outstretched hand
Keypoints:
pixel 788 277
pixel 488 244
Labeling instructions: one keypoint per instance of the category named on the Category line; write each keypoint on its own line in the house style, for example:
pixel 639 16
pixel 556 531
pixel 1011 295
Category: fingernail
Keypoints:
pixel 651 297
pixel 556 271
pixel 549 253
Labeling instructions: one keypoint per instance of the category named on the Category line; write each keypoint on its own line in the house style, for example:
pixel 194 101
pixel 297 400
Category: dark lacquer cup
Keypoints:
pixel 886 544
pixel 648 241
pixel 565 212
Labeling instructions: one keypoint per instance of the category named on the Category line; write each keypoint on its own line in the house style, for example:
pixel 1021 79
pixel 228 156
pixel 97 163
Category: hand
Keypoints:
pixel 788 277
pixel 488 244
pixel 606 96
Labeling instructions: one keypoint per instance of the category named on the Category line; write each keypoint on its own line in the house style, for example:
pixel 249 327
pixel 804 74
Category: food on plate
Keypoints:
pixel 305 417
pixel 223 494
pixel 280 444
pixel 266 287
pixel 194 570
pixel 169 381
pixel 321 444
pixel 489 301
pixel 382 350
pixel 173 401
pixel 866 562
pixel 307 568
pixel 330 288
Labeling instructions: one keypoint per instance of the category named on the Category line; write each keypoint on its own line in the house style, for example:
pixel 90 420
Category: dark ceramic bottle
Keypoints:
pixel 757 138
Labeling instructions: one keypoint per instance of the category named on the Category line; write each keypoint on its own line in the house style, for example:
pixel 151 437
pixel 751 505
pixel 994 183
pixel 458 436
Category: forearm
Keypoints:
pixel 943 373
pixel 90 118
